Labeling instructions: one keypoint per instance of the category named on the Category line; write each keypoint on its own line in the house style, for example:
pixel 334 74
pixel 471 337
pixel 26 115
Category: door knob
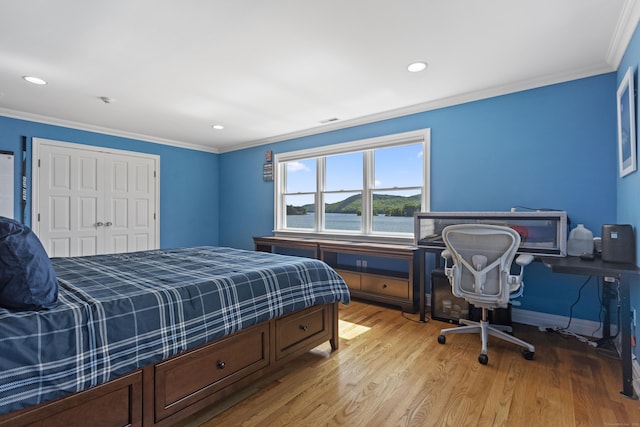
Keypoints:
pixel 99 224
pixel 109 224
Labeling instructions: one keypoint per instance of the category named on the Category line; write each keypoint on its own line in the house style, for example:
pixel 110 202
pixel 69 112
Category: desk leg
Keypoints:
pixel 421 287
pixel 606 301
pixel 625 330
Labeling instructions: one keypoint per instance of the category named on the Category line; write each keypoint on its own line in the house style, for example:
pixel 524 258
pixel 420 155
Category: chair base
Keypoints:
pixel 485 329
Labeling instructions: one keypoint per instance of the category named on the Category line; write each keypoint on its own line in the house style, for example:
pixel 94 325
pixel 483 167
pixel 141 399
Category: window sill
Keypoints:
pixel 397 240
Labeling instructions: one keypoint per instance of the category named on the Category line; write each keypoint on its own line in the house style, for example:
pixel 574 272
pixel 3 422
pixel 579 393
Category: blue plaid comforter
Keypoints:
pixel 122 312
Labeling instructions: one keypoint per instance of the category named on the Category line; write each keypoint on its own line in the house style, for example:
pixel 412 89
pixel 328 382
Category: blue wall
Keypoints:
pixel 628 188
pixel 551 147
pixel 188 179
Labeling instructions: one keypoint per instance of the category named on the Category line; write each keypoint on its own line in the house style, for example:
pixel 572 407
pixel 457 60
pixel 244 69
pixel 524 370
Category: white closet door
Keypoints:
pixel 129 195
pixel 71 188
pixel 88 201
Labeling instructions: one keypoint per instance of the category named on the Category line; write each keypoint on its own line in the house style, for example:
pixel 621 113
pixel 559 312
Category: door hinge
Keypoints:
pixel 38 162
pixel 38 217
pixel 154 216
pixel 154 174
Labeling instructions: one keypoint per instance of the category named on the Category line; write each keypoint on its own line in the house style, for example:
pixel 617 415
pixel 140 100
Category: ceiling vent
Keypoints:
pixel 332 119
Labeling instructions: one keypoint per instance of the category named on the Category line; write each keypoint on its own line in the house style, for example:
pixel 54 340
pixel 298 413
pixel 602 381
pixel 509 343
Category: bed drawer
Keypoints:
pixel 115 404
pixel 299 331
pixel 385 285
pixel 185 379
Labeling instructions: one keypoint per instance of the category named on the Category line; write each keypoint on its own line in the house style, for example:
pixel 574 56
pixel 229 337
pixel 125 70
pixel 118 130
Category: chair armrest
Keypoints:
pixel 523 260
pixel 446 254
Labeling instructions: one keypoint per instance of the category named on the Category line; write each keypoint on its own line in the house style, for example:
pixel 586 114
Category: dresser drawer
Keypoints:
pixel 385 286
pixel 296 331
pixel 186 379
pixel 351 279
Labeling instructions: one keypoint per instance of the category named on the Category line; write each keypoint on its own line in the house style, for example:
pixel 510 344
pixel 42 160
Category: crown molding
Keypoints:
pixel 103 130
pixel 625 28
pixel 433 105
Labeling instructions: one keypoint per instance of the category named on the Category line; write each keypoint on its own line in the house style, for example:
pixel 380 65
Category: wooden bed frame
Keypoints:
pixel 173 389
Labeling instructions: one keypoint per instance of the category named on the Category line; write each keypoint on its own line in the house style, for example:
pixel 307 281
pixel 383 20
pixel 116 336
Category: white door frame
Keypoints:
pixel 35 176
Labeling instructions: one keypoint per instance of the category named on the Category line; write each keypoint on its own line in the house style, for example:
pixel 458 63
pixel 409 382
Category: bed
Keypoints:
pixel 135 331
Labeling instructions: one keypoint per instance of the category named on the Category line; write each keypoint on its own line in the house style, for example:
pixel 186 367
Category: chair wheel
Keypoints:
pixel 442 339
pixel 483 359
pixel 528 354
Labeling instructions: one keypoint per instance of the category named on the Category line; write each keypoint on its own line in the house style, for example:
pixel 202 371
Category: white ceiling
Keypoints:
pixel 269 70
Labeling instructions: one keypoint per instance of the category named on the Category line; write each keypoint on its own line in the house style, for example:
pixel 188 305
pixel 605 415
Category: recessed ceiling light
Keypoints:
pixel 34 80
pixel 218 127
pixel 106 99
pixel 417 67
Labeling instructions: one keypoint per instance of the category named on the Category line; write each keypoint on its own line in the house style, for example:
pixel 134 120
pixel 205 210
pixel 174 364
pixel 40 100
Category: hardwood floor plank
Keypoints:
pixel 391 371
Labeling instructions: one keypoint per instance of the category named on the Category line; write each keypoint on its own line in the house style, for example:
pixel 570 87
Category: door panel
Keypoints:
pixel 120 176
pixel 130 196
pixel 60 172
pixel 142 214
pixel 88 212
pixel 88 245
pixel 119 214
pixel 60 214
pixel 60 245
pixel 142 241
pixel 88 174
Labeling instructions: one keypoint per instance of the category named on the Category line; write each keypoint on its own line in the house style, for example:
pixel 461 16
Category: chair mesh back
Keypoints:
pixel 482 257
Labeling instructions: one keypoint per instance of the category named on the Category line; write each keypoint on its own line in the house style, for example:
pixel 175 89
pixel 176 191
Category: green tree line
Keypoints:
pixel 382 205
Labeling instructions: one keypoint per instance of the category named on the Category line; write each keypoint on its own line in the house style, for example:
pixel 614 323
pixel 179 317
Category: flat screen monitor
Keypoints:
pixel 541 233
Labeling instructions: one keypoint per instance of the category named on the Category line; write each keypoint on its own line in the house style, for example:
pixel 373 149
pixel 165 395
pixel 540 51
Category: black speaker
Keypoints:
pixel 618 243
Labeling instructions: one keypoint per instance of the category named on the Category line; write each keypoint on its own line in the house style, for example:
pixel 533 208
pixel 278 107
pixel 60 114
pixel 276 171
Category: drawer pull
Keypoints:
pixel 384 286
pixel 304 327
pixel 221 365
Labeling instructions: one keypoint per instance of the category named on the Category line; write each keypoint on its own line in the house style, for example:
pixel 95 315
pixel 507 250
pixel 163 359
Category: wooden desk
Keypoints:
pixel 619 272
pixel 369 279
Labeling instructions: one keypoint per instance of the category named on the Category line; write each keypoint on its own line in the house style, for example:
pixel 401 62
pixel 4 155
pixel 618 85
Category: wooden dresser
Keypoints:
pixel 378 272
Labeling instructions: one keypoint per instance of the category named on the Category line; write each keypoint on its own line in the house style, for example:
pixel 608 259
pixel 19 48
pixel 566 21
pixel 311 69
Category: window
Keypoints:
pixel 365 189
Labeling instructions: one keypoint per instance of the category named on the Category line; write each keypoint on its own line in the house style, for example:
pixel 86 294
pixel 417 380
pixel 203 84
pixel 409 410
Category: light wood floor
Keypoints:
pixel 390 371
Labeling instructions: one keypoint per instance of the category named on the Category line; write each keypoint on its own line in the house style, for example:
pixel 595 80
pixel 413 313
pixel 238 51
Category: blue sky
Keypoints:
pixel 394 167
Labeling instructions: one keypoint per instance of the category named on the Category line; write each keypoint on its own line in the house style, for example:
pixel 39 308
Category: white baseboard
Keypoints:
pixel 588 328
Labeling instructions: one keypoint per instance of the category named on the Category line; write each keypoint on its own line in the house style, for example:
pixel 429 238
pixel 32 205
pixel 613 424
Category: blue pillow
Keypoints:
pixel 27 278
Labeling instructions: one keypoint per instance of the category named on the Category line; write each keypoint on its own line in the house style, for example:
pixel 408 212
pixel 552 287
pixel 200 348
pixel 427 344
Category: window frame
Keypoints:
pixel 367 147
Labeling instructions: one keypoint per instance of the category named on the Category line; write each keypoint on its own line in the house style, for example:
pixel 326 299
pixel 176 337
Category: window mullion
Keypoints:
pixel 320 186
pixel 367 194
pixel 281 206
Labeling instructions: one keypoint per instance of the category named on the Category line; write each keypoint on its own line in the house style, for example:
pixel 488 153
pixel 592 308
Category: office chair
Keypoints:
pixel 481 274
